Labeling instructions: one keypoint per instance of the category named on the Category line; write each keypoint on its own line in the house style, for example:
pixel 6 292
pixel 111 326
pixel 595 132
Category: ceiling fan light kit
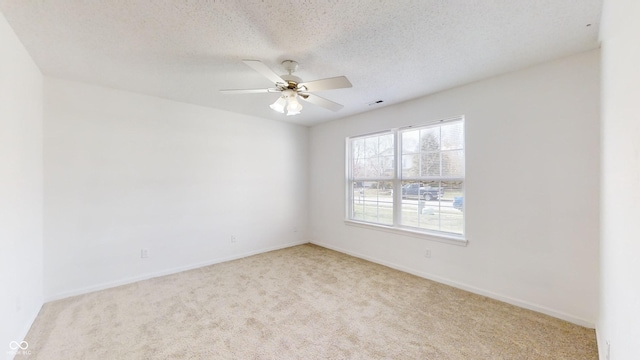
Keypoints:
pixel 288 99
pixel 292 87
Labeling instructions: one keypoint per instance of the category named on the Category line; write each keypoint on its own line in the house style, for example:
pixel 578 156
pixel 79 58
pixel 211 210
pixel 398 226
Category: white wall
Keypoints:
pixel 125 171
pixel 20 189
pixel 619 320
pixel 532 189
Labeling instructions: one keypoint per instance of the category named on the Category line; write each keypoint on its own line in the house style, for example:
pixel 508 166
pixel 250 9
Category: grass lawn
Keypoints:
pixel 377 207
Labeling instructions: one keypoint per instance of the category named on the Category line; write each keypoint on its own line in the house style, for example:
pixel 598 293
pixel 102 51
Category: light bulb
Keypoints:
pixel 279 104
pixel 294 106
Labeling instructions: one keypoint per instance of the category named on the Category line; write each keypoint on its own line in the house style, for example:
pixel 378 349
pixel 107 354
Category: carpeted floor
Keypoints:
pixel 304 302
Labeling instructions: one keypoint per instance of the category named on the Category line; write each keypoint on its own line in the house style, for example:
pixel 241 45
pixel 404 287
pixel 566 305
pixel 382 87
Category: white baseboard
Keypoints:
pixel 175 270
pixel 475 290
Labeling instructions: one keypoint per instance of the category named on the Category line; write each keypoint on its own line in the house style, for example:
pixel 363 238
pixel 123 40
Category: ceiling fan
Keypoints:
pixel 292 87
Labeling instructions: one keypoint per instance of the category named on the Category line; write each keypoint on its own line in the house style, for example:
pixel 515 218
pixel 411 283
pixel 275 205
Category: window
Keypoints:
pixel 409 179
pixel 373 171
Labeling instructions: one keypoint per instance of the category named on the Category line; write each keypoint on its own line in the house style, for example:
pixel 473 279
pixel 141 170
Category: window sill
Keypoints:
pixel 448 239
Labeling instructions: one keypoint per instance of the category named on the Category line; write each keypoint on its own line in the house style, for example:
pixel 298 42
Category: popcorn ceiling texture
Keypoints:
pixel 304 302
pixel 390 50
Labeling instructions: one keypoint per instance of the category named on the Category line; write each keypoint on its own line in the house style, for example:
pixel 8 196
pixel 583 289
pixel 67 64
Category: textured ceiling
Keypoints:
pixel 390 50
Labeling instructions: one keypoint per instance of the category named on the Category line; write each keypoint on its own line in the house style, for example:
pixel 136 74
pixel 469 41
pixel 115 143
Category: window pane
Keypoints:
pixel 357 201
pixel 385 202
pixel 385 144
pixel 453 163
pixel 371 146
pixel 430 205
pixel 357 148
pixel 410 165
pixel 452 136
pixel 451 190
pixel 430 139
pixel 358 168
pixel 430 164
pixel 373 202
pixel 372 157
pixel 451 216
pixel 410 141
pixel 417 200
pixel 386 166
pixel 372 167
pixel 425 190
pixel 357 158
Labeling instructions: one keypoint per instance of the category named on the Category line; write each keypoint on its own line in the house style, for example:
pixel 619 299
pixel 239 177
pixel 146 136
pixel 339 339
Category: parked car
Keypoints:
pixel 458 203
pixel 419 191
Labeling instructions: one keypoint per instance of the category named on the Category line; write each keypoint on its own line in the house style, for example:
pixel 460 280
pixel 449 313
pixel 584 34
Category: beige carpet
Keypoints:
pixel 304 302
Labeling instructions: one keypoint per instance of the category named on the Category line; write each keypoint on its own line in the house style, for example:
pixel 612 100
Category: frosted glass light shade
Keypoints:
pixel 279 105
pixel 294 106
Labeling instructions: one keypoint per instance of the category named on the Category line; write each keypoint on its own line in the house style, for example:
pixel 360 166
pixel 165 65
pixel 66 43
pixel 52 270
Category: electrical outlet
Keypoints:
pixel 427 253
pixel 233 238
pixel 18 304
pixel 144 253
pixel 608 350
pixel 295 229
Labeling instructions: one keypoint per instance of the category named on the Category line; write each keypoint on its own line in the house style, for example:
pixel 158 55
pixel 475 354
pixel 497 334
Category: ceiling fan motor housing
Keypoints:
pixel 292 81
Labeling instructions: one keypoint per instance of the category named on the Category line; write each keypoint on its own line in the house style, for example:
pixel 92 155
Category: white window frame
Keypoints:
pixel 397 179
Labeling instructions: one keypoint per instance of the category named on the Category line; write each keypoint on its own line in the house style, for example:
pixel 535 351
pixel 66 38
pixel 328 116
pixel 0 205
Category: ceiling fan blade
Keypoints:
pixel 249 91
pixel 264 71
pixel 338 82
pixel 320 101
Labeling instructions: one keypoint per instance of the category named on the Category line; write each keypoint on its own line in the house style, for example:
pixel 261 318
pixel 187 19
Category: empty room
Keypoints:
pixel 320 179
